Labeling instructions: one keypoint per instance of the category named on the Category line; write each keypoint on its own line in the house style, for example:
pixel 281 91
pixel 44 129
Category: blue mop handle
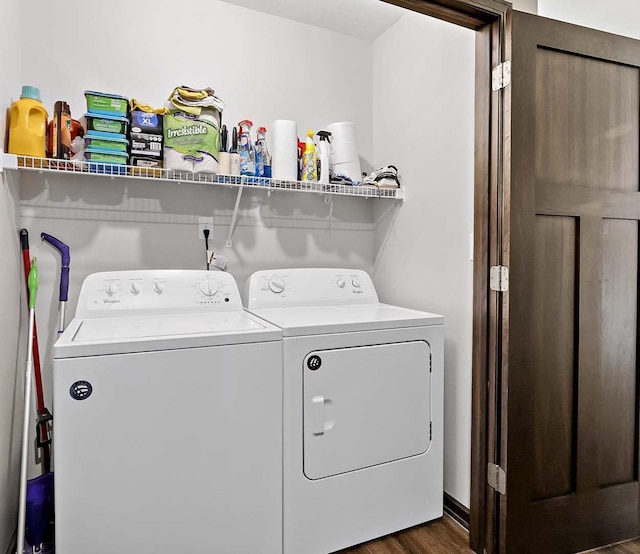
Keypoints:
pixel 66 260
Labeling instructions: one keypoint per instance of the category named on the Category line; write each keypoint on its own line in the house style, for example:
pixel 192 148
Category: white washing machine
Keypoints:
pixel 168 419
pixel 363 408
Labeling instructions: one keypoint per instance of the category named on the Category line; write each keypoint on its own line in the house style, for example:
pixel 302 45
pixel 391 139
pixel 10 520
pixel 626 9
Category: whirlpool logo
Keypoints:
pixel 81 390
pixel 314 362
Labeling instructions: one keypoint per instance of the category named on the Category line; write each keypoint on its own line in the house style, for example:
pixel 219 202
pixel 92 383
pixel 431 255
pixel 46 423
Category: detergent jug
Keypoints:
pixel 28 124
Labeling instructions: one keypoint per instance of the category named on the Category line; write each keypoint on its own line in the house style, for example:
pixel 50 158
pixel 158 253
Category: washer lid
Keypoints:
pixel 316 320
pixel 122 335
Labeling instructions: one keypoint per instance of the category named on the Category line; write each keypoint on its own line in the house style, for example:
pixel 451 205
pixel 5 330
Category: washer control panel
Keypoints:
pixel 309 287
pixel 149 292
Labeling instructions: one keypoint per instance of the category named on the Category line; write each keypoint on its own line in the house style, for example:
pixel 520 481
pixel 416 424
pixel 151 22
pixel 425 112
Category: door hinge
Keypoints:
pixel 430 363
pixel 501 76
pixel 430 430
pixel 499 278
pixel 497 478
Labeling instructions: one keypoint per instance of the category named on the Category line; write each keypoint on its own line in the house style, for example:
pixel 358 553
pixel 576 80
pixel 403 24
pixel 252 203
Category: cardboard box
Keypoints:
pixel 145 134
pixel 144 161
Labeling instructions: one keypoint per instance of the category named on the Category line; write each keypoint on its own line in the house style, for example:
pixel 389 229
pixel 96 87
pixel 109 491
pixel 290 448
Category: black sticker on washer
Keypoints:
pixel 314 362
pixel 81 390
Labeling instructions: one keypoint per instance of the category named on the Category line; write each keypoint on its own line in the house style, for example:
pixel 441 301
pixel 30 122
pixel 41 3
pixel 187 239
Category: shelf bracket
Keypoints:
pixel 328 199
pixel 8 161
pixel 232 227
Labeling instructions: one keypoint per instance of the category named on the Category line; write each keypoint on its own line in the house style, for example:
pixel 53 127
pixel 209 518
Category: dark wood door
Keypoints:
pixel 569 379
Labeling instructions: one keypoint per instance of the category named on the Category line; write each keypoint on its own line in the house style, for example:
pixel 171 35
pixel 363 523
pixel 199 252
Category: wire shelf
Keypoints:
pixel 96 169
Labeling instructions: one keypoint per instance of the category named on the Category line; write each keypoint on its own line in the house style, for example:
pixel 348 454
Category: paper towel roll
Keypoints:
pixel 175 160
pixel 350 169
pixel 284 150
pixel 343 131
pixel 344 152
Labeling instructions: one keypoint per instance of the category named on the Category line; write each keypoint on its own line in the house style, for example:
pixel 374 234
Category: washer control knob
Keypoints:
pixel 356 283
pixel 340 282
pixel 112 288
pixel 136 288
pixel 208 287
pixel 158 287
pixel 276 285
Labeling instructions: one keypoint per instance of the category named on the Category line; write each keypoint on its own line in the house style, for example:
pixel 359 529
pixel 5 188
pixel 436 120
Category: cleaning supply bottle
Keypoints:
pixel 301 148
pixel 263 158
pixel 28 125
pixel 247 152
pixel 59 135
pixel 310 159
pixel 225 158
pixel 325 156
pixel 234 156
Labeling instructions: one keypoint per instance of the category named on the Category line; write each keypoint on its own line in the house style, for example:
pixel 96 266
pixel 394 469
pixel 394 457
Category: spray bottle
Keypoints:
pixel 263 158
pixel 247 152
pixel 310 159
pixel 325 156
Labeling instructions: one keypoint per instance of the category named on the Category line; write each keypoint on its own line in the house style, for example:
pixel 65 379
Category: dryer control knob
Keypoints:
pixel 136 288
pixel 158 287
pixel 356 283
pixel 112 288
pixel 340 282
pixel 276 285
pixel 208 287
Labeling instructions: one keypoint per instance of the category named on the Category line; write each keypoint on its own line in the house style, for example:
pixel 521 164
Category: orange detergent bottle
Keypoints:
pixel 28 124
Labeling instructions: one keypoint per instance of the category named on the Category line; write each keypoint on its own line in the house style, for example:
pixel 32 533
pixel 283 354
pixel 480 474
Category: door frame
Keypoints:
pixel 491 19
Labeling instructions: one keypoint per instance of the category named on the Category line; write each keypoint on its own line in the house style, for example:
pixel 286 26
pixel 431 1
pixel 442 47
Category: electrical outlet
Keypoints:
pixel 205 223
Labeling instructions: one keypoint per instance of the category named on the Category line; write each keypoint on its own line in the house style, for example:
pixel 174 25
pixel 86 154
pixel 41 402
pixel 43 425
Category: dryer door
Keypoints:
pixel 365 406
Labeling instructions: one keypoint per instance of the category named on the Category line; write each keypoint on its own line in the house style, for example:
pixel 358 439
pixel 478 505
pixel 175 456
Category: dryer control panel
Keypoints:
pixel 157 292
pixel 282 288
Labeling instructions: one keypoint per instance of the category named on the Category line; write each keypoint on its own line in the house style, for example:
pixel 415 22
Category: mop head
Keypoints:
pixel 39 513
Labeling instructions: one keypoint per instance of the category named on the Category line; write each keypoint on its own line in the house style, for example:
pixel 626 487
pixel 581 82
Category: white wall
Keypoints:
pixel 11 394
pixel 423 123
pixel 10 282
pixel 621 17
pixel 264 67
pixel 530 6
pixel 9 61
pixel 122 224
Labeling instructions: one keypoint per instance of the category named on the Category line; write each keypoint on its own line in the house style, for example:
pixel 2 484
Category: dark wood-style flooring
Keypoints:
pixel 630 547
pixel 442 536
pixel 445 536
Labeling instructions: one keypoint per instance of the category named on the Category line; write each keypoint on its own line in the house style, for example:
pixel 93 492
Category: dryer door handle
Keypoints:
pixel 317 415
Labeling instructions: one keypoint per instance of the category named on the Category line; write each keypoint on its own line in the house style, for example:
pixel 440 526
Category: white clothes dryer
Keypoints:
pixel 363 407
pixel 168 419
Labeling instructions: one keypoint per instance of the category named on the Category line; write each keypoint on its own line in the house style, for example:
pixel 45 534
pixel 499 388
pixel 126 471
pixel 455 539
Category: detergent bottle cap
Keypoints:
pixel 245 125
pixel 310 145
pixel 262 130
pixel 324 135
pixel 31 92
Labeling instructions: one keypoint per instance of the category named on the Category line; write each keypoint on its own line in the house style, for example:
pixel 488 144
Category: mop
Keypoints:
pixel 39 494
pixel 65 260
pixel 44 416
pixel 22 511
